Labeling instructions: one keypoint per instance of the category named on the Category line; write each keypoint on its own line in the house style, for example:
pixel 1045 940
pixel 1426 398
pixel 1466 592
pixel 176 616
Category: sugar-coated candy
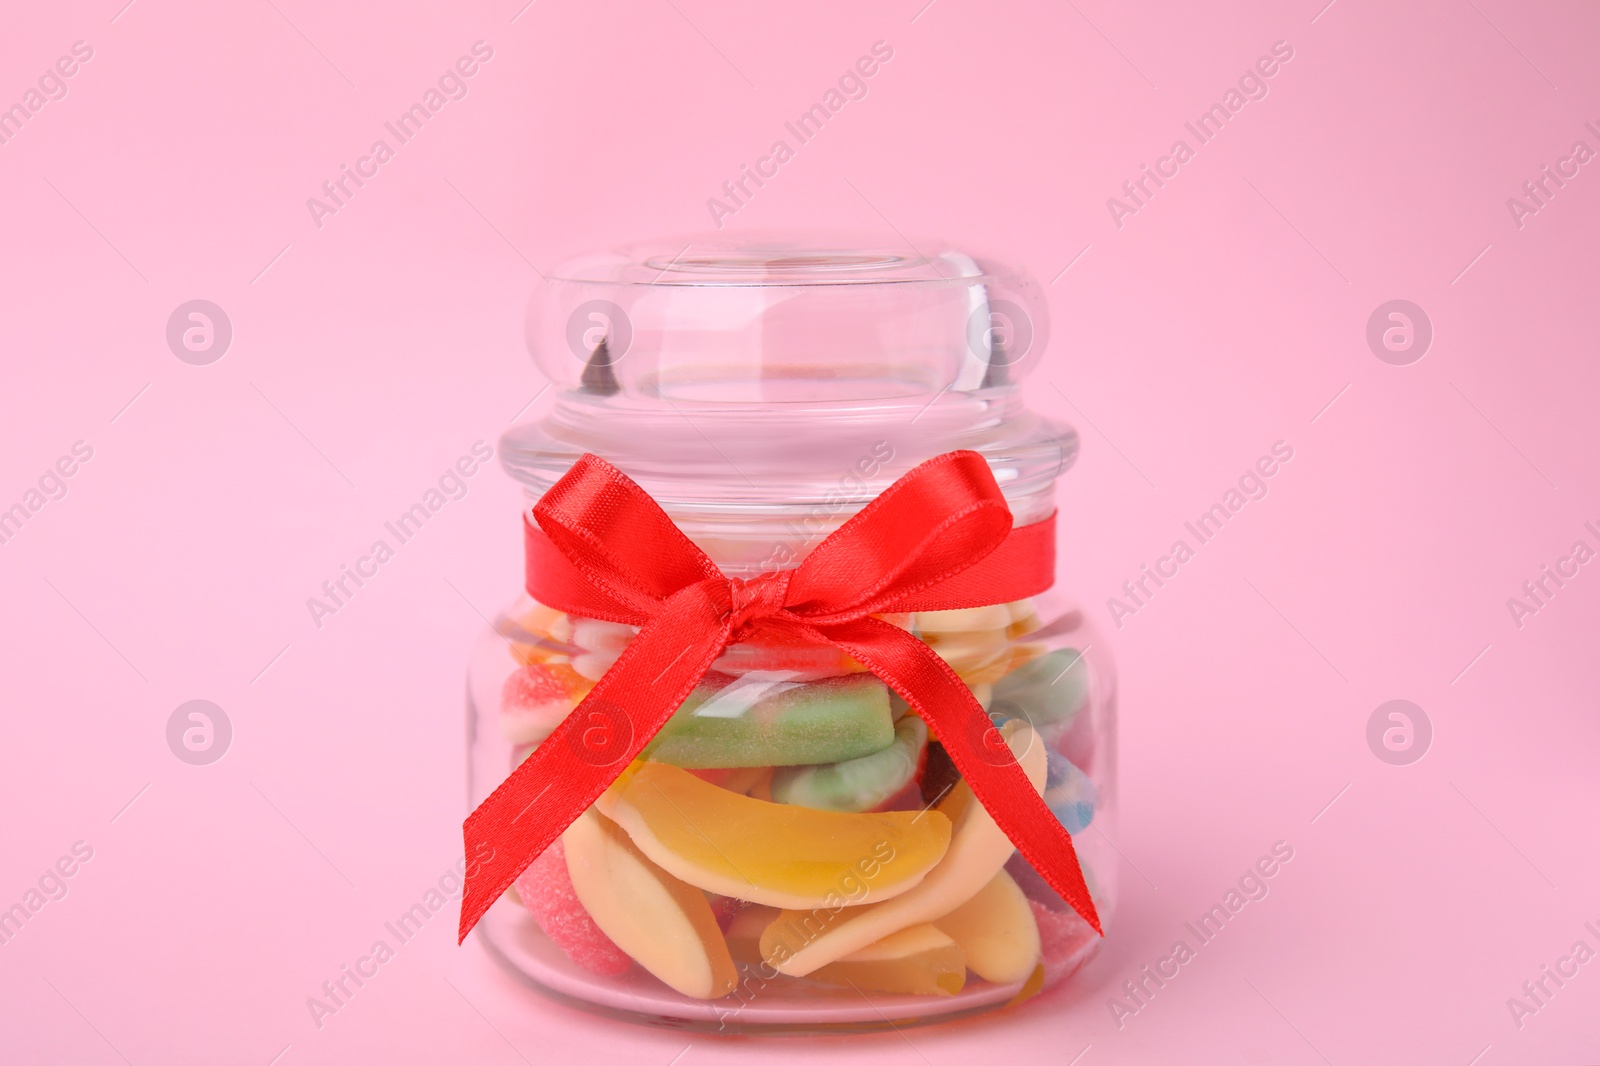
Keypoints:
pixel 918 961
pixel 859 784
pixel 664 924
pixel 1046 691
pixel 762 719
pixel 772 853
pixel 1062 935
pixel 1035 887
pixel 535 698
pixel 978 849
pixel 545 888
pixel 996 931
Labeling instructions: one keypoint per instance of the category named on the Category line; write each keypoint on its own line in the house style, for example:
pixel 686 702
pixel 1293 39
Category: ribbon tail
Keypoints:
pixel 926 681
pixel 590 748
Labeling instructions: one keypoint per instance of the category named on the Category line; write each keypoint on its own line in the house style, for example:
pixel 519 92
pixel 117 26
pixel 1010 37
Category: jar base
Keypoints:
pixel 757 1007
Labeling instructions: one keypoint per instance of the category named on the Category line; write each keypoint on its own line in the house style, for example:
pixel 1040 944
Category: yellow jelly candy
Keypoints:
pixel 772 853
pixel 996 932
pixel 799 942
pixel 666 925
pixel 1024 619
pixel 978 658
pixel 964 620
pixel 919 961
pixel 546 623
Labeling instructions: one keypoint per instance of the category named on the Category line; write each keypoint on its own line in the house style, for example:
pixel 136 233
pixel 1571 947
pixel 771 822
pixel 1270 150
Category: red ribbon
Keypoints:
pixel 939 538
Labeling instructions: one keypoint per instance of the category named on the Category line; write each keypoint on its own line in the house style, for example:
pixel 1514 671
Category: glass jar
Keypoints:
pixel 762 392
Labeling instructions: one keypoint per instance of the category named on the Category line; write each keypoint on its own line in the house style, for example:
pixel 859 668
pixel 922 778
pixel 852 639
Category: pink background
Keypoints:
pixel 1225 315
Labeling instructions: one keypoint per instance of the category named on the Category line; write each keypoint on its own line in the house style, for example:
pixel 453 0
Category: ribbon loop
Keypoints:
pixel 939 538
pixel 618 538
pixel 939 520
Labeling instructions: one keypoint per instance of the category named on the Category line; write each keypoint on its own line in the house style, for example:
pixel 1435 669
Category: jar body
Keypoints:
pixel 795 851
pixel 779 752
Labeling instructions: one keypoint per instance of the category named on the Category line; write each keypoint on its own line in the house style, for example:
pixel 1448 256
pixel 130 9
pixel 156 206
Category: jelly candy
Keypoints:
pixel 1046 691
pixel 907 799
pixel 939 774
pixel 545 888
pixel 762 789
pixel 996 931
pixel 535 698
pixel 979 658
pixel 975 641
pixel 1062 936
pixel 744 932
pixel 1024 619
pixel 598 644
pixel 772 853
pixel 804 660
pixel 591 634
pixel 764 719
pixel 1077 742
pixel 548 622
pixel 799 942
pixel 1069 793
pixel 859 784
pixel 740 779
pixel 964 620
pixel 1035 887
pixel 664 924
pixel 745 779
pixel 547 627
pixel 592 665
pixel 918 961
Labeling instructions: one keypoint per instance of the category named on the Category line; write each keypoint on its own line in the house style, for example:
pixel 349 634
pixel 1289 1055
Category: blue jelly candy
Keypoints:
pixel 1069 793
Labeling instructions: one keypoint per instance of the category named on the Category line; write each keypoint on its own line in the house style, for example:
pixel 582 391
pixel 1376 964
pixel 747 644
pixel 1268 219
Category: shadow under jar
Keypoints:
pixel 762 393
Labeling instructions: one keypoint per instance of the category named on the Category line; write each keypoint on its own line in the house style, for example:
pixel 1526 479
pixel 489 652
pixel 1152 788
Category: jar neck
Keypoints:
pixel 756 486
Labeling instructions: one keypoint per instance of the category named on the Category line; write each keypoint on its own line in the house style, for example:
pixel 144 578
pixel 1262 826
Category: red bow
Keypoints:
pixel 937 539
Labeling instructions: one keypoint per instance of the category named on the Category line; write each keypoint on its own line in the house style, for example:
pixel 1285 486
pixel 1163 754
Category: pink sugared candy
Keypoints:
pixel 545 889
pixel 533 701
pixel 1062 935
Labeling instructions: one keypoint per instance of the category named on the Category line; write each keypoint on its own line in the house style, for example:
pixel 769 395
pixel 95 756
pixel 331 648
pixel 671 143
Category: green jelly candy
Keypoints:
pixel 1048 691
pixel 762 719
pixel 856 784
